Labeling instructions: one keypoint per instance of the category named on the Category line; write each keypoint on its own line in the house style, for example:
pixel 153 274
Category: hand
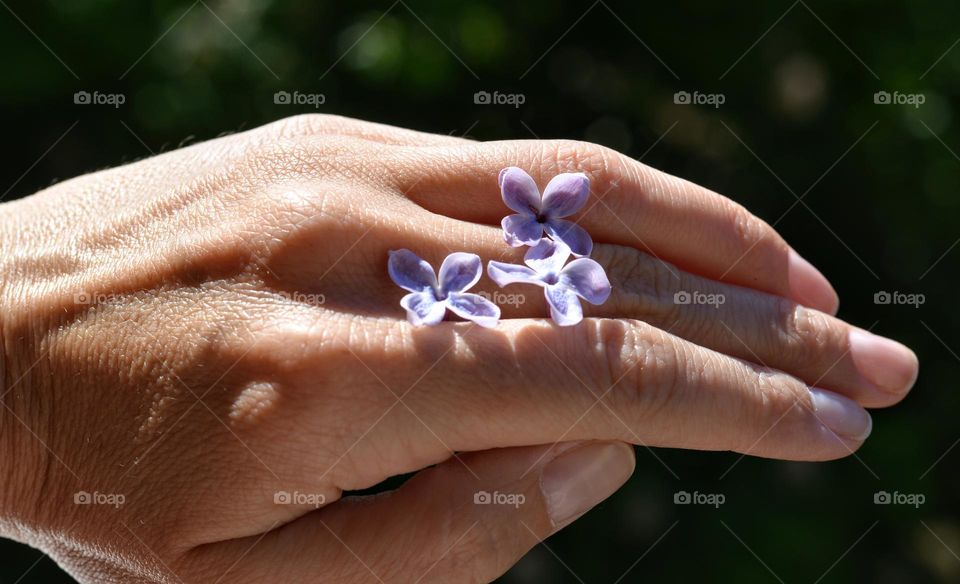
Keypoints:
pixel 203 350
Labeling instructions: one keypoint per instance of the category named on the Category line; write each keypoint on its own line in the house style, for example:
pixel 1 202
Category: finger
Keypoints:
pixel 417 394
pixel 738 321
pixel 630 204
pixel 658 390
pixel 466 520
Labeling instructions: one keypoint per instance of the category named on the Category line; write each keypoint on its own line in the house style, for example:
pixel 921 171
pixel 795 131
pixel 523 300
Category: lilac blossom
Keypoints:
pixel 583 278
pixel 563 196
pixel 429 298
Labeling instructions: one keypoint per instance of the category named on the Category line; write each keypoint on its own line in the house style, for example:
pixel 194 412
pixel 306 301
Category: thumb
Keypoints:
pixel 468 519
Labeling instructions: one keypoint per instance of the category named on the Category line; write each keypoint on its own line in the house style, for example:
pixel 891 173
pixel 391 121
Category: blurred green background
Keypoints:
pixel 799 118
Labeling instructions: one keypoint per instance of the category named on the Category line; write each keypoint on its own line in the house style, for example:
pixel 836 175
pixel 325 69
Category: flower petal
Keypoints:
pixel 504 274
pixel 565 194
pixel 565 309
pixel 547 257
pixel 587 279
pixel 459 272
pixel 474 307
pixel 519 191
pixel 576 237
pixel 521 229
pixel 410 272
pixel 423 309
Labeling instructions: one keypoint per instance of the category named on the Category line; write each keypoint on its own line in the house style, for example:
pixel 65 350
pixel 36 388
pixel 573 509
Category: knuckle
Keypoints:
pixel 646 283
pixel 654 370
pixel 747 229
pixel 488 542
pixel 805 334
pixel 242 173
pixel 286 157
pixel 776 396
pixel 754 239
pixel 605 167
pixel 282 157
pixel 610 340
pixel 285 154
pixel 305 124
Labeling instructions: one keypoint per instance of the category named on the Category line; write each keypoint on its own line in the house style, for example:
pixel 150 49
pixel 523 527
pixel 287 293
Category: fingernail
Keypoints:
pixel 843 416
pixel 579 478
pixel 809 286
pixel 884 362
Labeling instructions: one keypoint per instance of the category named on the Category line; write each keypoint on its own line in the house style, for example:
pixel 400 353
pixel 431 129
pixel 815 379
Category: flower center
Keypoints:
pixel 537 214
pixel 551 278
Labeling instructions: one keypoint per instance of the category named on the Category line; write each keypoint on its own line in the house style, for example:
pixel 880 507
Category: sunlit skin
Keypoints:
pixel 207 329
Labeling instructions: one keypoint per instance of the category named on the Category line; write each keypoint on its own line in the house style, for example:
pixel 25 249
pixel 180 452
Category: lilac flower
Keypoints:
pixel 564 195
pixel 562 285
pixel 429 299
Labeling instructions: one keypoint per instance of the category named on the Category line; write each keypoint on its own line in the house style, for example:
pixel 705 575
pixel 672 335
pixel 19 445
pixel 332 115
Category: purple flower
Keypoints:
pixel 429 300
pixel 562 285
pixel 564 195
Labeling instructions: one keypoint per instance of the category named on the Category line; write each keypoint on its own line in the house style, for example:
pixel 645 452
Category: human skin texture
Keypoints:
pixel 202 351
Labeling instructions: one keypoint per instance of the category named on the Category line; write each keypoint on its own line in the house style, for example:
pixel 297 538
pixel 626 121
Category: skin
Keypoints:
pixel 201 330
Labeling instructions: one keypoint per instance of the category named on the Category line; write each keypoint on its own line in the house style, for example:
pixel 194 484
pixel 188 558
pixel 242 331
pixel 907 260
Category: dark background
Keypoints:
pixel 878 184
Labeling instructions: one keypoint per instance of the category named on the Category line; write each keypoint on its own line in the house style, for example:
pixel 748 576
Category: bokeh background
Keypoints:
pixel 800 118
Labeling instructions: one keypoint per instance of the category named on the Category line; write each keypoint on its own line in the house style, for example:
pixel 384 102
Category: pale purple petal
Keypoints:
pixel 587 279
pixel 565 309
pixel 459 272
pixel 521 230
pixel 576 237
pixel 410 272
pixel 547 257
pixel 474 307
pixel 519 191
pixel 565 194
pixel 504 274
pixel 423 309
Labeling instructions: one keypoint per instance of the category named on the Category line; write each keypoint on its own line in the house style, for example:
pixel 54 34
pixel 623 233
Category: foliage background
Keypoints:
pixel 798 80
